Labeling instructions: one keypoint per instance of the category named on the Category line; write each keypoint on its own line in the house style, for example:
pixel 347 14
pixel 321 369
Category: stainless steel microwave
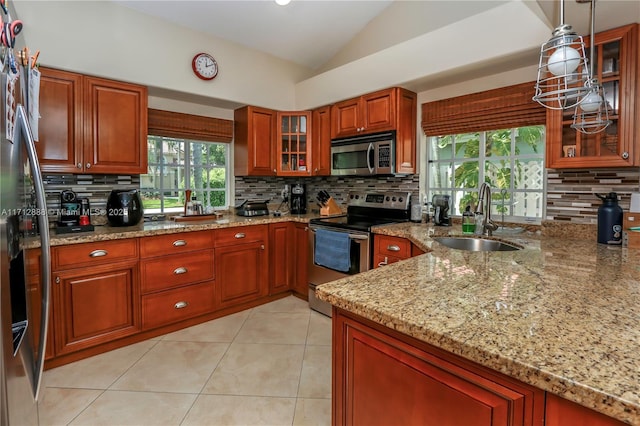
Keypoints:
pixel 364 155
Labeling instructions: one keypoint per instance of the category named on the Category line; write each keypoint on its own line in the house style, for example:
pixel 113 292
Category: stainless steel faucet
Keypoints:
pixel 484 208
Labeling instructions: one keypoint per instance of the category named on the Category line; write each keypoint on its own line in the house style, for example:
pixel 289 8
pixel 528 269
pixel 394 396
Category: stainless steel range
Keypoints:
pixel 340 246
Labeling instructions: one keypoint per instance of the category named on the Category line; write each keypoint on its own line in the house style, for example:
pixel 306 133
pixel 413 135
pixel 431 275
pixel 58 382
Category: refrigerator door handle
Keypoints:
pixel 24 130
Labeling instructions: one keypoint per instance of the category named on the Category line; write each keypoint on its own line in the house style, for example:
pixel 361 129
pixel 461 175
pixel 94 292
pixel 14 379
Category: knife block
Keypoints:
pixel 330 208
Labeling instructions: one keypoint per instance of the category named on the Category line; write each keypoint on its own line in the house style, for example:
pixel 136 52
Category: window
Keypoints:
pixel 177 164
pixel 510 160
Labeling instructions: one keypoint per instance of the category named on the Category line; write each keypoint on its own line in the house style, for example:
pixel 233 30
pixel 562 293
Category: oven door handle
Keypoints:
pixel 352 236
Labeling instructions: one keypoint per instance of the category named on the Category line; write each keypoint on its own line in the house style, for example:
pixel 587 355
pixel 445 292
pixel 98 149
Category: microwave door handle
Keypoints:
pixel 370 158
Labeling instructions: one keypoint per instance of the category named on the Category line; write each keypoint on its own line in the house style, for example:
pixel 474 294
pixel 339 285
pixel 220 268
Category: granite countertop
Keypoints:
pixel 562 315
pixel 144 229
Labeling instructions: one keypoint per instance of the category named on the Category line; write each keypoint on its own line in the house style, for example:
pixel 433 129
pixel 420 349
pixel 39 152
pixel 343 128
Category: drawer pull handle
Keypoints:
pixel 181 305
pixel 393 248
pixel 180 270
pixel 179 243
pixel 98 253
pixel 240 235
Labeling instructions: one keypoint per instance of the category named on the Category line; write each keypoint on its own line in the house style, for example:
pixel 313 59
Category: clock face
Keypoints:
pixel 204 66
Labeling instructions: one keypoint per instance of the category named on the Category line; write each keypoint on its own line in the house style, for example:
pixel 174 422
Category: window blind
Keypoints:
pixel 501 108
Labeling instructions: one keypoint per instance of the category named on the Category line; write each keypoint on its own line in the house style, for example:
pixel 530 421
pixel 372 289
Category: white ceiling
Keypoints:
pixel 312 32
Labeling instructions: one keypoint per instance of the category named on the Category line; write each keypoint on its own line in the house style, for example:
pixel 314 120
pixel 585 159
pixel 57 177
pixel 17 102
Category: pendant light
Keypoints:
pixel 592 115
pixel 562 70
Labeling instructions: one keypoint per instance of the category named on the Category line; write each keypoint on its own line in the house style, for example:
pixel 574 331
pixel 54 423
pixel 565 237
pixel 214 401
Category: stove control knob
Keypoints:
pixel 400 199
pixel 351 196
pixel 388 198
pixel 393 199
pixel 357 197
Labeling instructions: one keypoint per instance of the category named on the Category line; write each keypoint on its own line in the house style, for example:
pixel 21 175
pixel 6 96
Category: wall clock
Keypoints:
pixel 204 66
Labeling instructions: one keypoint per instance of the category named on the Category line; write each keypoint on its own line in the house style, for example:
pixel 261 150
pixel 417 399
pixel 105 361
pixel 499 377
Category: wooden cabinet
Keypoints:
pixel 98 303
pixel 177 277
pixel 383 377
pixel 293 144
pixel 385 110
pixel 616 67
pixel 281 256
pixel 254 135
pixel 300 284
pixel 91 125
pixel 561 412
pixel 387 249
pixel 321 141
pixel 242 267
pixel 34 294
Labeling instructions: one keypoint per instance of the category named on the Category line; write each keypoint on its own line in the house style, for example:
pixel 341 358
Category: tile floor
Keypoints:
pixel 270 365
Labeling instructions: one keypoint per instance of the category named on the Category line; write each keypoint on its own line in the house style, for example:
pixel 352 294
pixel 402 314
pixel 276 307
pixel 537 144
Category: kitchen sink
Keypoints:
pixel 476 244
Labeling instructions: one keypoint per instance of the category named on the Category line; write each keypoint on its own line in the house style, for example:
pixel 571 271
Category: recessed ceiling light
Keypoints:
pixel 283 2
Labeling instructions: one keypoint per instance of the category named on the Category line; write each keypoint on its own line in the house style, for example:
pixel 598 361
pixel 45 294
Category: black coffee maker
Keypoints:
pixel 70 209
pixel 441 210
pixel 298 199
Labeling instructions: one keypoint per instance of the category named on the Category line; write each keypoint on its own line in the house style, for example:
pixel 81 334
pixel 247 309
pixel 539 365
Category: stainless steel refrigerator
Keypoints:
pixel 24 241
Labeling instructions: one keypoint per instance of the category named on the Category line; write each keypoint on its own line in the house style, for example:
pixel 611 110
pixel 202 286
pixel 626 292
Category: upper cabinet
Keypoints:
pixel 254 133
pixel 384 110
pixel 616 67
pixel 91 125
pixel 321 141
pixel 293 144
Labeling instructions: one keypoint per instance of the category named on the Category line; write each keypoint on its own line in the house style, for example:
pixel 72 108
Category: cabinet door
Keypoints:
pixel 561 412
pixel 617 70
pixel 301 275
pixel 254 133
pixel 59 144
pixel 378 111
pixel 345 118
pixel 293 144
pixel 280 257
pixel 242 273
pixel 115 127
pixel 406 156
pixel 321 141
pixel 95 305
pixel 381 380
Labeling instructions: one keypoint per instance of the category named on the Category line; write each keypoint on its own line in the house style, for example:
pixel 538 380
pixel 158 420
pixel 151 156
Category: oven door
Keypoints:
pixel 360 258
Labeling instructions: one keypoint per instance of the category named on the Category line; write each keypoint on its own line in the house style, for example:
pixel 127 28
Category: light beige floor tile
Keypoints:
pixel 315 380
pixel 219 330
pixel 136 408
pixel 312 412
pixel 240 410
pixel 100 371
pixel 258 370
pixel 274 327
pixel 291 304
pixel 58 406
pixel 319 329
pixel 173 367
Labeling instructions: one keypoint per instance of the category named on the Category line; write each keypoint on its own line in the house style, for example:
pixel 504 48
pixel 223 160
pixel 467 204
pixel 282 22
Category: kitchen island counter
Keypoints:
pixel 561 315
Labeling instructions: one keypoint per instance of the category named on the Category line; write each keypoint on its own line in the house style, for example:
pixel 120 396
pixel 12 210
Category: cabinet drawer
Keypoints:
pixel 175 243
pixel 241 235
pixel 179 269
pixel 176 305
pixel 392 246
pixel 89 254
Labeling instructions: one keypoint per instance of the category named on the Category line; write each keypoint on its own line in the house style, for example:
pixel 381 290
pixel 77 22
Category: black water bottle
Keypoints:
pixel 609 220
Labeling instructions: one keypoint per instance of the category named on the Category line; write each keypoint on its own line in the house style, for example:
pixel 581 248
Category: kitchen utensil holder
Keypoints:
pixel 330 208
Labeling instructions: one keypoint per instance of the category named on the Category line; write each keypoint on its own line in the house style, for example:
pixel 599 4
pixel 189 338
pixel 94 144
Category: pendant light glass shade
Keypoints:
pixel 562 71
pixel 592 115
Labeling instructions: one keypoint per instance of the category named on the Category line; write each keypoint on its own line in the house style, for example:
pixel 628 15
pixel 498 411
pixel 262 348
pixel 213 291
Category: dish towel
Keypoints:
pixel 332 250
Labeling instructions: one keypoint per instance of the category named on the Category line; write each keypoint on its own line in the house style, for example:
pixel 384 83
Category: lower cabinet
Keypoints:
pixel 281 255
pixel 95 305
pixel 561 412
pixel 388 249
pixel 175 305
pixel 382 378
pixel 242 265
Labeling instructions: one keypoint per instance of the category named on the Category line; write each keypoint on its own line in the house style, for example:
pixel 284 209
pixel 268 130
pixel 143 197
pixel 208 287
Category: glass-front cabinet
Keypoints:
pixel 294 143
pixel 615 66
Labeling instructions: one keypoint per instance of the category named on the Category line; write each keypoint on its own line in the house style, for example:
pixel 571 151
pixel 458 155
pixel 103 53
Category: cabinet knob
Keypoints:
pixel 393 248
pixel 181 305
pixel 179 243
pixel 57 280
pixel 79 166
pixel 88 166
pixel 240 235
pixel 275 171
pixel 98 253
pixel 625 155
pixel 180 270
pixel 261 246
